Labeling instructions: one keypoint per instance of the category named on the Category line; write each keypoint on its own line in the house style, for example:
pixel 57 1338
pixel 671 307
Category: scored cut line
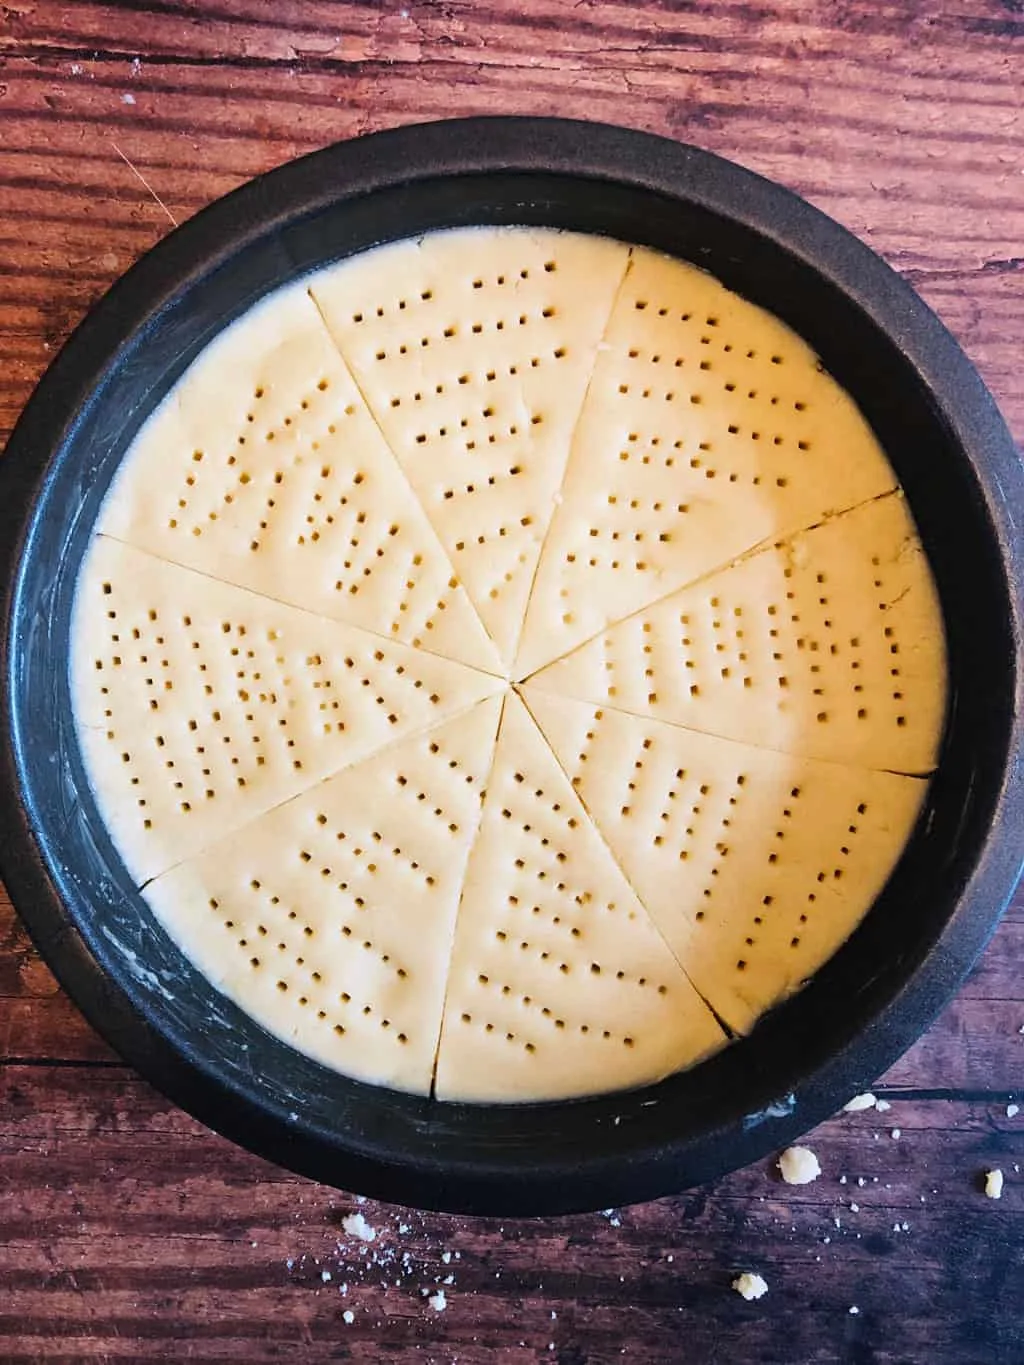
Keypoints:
pixel 395 743
pixel 398 471
pixel 462 892
pixel 571 442
pixel 727 1031
pixel 729 739
pixel 759 547
pixel 291 606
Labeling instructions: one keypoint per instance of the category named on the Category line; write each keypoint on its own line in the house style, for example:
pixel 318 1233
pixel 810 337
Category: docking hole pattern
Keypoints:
pixel 502 656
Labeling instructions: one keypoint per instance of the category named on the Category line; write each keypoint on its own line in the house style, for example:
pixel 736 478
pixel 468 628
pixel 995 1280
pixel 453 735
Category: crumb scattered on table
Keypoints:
pixel 750 1286
pixel 994 1184
pixel 799 1166
pixel 859 1102
pixel 357 1226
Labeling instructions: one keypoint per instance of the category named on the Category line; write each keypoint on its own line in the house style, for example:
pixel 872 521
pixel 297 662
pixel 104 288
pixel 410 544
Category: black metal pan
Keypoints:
pixel 965 484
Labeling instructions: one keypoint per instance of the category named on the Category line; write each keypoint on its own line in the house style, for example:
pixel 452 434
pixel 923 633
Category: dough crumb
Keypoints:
pixel 1012 1110
pixel 357 1226
pixel 854 1309
pixel 994 1184
pixel 897 1133
pixel 348 1316
pixel 325 1275
pixel 859 1102
pixel 438 1302
pixel 750 1286
pixel 883 1106
pixel 799 1166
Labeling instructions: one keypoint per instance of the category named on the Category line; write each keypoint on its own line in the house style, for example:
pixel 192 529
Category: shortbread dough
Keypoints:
pixel 507 664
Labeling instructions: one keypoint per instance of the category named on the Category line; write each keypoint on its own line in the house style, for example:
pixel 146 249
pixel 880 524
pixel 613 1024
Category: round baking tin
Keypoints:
pixel 964 482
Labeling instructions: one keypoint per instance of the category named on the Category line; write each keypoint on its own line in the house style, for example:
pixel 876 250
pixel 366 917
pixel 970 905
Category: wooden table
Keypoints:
pixel 129 1232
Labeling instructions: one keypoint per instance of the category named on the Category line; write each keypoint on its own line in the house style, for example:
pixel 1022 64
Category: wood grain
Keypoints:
pixel 130 1233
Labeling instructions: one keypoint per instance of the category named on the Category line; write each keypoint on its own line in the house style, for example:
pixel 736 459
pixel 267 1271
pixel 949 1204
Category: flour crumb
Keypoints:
pixel 127 99
pixel 1012 1110
pixel 994 1184
pixel 357 1226
pixel 403 1228
pixel 854 1309
pixel 883 1106
pixel 326 1276
pixel 842 1180
pixel 750 1286
pixel 799 1166
pixel 348 1316
pixel 896 1134
pixel 446 1257
pixel 859 1102
pixel 438 1302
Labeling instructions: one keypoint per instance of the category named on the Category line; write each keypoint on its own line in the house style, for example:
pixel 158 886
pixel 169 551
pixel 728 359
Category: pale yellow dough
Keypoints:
pixel 827 644
pixel 558 974
pixel 755 865
pixel 331 917
pixel 274 476
pixel 201 705
pixel 473 350
pixel 708 427
pixel 503 656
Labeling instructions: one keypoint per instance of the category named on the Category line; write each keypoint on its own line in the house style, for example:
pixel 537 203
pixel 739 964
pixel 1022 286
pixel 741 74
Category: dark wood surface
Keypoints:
pixel 130 1233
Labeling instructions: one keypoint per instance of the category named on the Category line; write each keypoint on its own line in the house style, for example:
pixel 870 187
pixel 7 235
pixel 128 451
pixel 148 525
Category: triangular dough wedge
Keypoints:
pixel 330 919
pixel 474 348
pixel 265 468
pixel 709 426
pixel 755 866
pixel 829 644
pixel 200 705
pixel 560 985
